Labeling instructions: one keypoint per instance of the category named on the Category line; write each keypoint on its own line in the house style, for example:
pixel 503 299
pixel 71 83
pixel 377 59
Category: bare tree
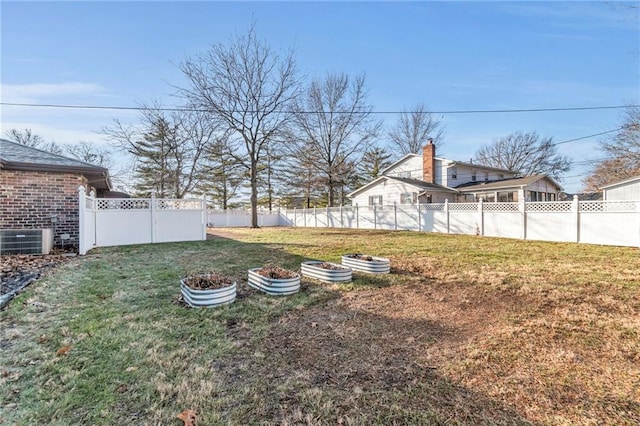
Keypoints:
pixel 90 153
pixel 28 138
pixel 333 124
pixel 414 129
pixel 526 154
pixel 622 153
pixel 249 87
pixel 167 148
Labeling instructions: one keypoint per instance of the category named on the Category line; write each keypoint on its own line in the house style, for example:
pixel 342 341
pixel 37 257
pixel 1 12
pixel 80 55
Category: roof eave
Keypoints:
pixel 97 174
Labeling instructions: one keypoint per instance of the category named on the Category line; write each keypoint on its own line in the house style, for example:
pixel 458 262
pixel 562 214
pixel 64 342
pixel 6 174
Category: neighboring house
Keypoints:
pixel 429 179
pixel 628 189
pixel 39 190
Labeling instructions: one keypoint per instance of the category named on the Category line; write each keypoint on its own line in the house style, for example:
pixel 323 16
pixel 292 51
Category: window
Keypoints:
pixel 409 198
pixel 454 173
pixel 473 176
pixel 405 175
pixel 486 176
pixel 375 200
pixel 504 197
pixel 551 196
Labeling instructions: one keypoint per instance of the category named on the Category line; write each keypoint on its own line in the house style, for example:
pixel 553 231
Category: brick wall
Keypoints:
pixel 28 200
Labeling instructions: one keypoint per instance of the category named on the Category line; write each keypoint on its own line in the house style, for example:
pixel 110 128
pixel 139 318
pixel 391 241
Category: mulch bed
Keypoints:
pixel 275 272
pixel 361 257
pixel 19 270
pixel 211 281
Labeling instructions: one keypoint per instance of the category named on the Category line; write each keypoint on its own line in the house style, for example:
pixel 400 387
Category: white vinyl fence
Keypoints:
pixel 240 218
pixel 122 221
pixel 596 222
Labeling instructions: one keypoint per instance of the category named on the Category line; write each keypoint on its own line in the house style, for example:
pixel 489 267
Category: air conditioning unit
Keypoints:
pixel 26 241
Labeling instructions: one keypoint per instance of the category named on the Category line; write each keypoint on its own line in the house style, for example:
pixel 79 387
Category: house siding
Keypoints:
pixel 393 190
pixel 629 191
pixel 411 165
pixel 29 200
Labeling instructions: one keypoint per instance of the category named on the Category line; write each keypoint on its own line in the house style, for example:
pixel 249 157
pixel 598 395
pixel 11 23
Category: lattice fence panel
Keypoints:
pixel 123 204
pixel 439 207
pixel 463 207
pixel 549 207
pixel 162 204
pixel 608 206
pixel 500 207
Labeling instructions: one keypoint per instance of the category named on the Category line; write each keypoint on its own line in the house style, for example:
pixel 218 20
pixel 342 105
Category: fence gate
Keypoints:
pixel 122 221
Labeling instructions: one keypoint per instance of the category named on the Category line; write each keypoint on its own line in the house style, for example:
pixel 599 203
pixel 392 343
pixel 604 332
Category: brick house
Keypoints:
pixel 39 190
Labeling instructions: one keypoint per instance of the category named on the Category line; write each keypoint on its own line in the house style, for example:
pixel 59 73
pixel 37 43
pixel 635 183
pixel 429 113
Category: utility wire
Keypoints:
pixel 469 111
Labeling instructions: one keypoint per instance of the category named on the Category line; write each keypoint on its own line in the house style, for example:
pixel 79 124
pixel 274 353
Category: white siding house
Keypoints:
pixel 626 190
pixel 429 179
pixel 388 190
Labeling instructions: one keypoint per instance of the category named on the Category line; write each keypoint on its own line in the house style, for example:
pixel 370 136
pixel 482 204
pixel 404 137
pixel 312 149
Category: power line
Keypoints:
pixel 589 136
pixel 175 109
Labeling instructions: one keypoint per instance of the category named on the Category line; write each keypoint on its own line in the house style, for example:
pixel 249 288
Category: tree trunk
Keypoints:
pixel 330 194
pixel 254 194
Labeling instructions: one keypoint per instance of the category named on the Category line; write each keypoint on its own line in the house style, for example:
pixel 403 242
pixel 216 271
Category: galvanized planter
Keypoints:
pixel 208 298
pixel 274 286
pixel 312 269
pixel 378 265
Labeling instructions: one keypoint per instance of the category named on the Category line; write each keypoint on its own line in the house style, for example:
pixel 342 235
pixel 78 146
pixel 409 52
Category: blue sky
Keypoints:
pixel 449 55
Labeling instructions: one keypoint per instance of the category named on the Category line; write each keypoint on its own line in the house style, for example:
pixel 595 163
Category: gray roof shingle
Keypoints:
pixel 15 156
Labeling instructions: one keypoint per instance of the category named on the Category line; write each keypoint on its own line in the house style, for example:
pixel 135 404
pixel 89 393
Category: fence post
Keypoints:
pixel 357 217
pixel 446 213
pixel 205 218
pixel 522 206
pixel 295 216
pixel 419 218
pixel 327 215
pixel 154 229
pixel 480 229
pixel 315 217
pixel 304 216
pixel 82 245
pixel 575 208
pixel 341 219
pixel 226 217
pixel 395 216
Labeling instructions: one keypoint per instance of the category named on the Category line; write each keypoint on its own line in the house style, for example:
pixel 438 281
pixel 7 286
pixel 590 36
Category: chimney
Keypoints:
pixel 429 162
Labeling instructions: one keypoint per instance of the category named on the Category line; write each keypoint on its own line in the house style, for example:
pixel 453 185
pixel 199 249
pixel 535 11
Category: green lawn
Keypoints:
pixel 466 330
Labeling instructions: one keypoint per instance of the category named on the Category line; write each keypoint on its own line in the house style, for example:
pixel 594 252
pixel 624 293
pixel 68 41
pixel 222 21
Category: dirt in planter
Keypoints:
pixel 330 266
pixel 361 257
pixel 209 281
pixel 276 272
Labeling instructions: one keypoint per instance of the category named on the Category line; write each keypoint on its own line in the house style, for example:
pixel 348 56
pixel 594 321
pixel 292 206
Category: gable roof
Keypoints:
pixel 479 166
pixel 15 156
pixel 622 182
pixel 420 184
pixel 400 161
pixel 504 183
